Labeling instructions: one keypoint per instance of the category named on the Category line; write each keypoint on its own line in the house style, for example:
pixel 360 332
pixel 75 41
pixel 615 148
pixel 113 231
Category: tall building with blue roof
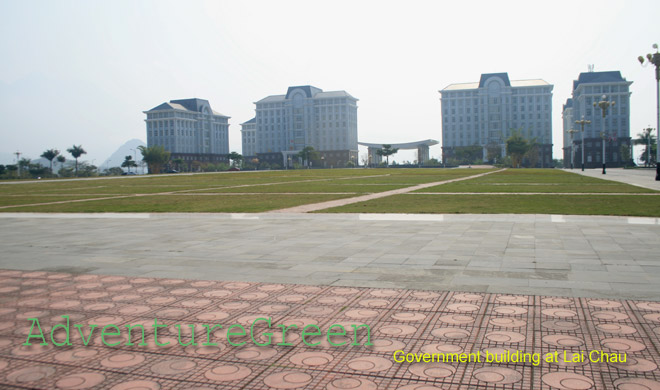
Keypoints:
pixel 307 116
pixel 483 115
pixel 590 87
pixel 190 130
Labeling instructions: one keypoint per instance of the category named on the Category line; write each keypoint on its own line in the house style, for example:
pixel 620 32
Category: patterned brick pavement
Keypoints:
pixel 412 321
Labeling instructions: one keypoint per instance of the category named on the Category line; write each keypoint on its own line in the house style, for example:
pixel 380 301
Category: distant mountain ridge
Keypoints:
pixel 127 149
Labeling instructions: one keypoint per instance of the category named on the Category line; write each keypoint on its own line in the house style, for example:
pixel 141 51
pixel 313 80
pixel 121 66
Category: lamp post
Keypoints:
pixel 604 105
pixel 582 122
pixel 655 60
pixel 571 132
pixel 323 159
pixel 648 131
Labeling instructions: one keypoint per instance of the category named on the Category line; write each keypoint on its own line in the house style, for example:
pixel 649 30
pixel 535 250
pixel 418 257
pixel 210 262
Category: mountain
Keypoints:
pixel 127 149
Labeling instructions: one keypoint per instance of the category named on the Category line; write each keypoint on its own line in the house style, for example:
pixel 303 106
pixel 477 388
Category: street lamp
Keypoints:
pixel 323 159
pixel 604 105
pixel 648 131
pixel 582 122
pixel 655 60
pixel 571 132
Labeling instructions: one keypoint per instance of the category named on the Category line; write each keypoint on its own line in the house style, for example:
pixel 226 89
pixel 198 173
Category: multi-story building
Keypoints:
pixel 307 116
pixel 190 130
pixel 249 138
pixel 570 133
pixel 590 87
pixel 483 115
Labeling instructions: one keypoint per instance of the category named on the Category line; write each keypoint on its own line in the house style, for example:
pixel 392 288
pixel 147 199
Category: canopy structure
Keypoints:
pixel 421 146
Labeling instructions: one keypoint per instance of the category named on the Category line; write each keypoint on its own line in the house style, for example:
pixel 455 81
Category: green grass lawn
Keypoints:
pixel 629 205
pixel 220 192
pixel 537 180
pixel 183 204
pixel 32 199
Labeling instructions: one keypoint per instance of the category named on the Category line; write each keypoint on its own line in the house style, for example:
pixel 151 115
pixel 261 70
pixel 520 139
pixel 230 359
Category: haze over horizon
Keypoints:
pixel 84 72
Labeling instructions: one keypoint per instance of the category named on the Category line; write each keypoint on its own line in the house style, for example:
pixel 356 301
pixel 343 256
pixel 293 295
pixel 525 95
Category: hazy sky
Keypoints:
pixel 82 72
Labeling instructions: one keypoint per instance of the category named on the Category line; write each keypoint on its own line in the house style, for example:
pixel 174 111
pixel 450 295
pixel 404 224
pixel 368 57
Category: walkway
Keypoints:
pixel 637 177
pixel 488 341
pixel 577 256
pixel 308 208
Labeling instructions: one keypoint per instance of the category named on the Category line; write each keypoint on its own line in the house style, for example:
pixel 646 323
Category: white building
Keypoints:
pixel 307 116
pixel 587 89
pixel 189 129
pixel 249 137
pixel 484 113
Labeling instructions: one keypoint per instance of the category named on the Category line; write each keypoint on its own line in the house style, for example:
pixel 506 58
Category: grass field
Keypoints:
pixel 509 204
pixel 214 192
pixel 538 191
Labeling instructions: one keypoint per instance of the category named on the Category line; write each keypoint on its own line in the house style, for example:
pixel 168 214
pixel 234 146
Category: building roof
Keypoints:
pixel 485 76
pixel 598 77
pixel 503 76
pixel 308 89
pixel 568 104
pixel 310 92
pixel 192 105
pixel 253 120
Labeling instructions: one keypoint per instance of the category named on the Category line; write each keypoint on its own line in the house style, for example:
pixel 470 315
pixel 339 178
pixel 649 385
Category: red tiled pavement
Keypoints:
pixel 408 320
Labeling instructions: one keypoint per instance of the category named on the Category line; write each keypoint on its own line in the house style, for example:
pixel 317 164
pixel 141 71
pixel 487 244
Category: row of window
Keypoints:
pixel 514 91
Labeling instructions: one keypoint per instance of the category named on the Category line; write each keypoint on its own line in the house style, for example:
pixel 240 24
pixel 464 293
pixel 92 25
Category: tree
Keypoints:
pixel 178 162
pixel 493 152
pixel 647 139
pixel 114 171
pixel 23 166
pixel 387 151
pixel 516 147
pixel 11 168
pixel 76 151
pixel 128 163
pixel 155 156
pixel 468 154
pixel 624 150
pixel 532 154
pixel 235 157
pixel 61 159
pixel 50 155
pixel 308 154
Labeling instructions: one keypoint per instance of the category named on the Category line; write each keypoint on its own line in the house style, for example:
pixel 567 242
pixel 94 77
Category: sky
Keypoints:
pixel 83 72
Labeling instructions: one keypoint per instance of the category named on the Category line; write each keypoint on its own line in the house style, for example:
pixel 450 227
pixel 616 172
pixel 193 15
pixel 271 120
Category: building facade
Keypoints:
pixel 590 87
pixel 249 138
pixel 480 116
pixel 307 116
pixel 190 130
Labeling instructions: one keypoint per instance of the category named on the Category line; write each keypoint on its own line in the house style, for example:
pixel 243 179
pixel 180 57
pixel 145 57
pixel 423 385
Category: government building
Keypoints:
pixel 304 116
pixel 587 89
pixel 480 116
pixel 190 130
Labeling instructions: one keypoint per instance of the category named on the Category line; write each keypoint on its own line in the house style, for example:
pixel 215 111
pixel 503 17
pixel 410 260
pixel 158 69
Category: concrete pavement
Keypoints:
pixel 578 256
pixel 637 177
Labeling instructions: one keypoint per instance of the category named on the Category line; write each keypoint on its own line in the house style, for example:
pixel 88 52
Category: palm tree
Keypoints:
pixel 155 157
pixel 61 159
pixel 50 155
pixel 128 163
pixel 76 151
pixel 387 151
pixel 646 138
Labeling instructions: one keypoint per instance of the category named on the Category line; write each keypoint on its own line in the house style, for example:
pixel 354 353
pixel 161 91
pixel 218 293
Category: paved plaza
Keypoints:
pixel 576 256
pixel 507 341
pixel 513 287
